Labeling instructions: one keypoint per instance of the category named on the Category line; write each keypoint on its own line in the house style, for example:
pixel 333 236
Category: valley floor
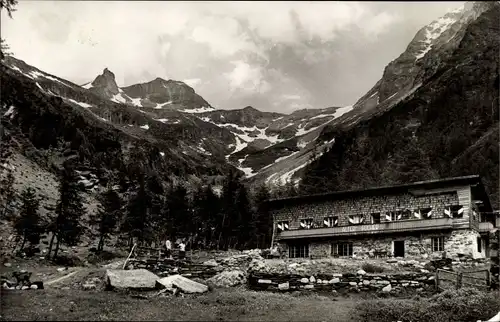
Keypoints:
pixel 222 305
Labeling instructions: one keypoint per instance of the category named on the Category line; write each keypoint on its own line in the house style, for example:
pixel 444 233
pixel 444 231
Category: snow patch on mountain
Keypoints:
pixel 87 86
pixel 199 110
pixel 433 31
pixel 160 106
pixel 82 104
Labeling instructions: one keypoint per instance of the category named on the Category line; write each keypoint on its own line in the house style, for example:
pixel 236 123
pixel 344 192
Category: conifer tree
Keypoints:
pixel 107 216
pixel 27 224
pixel 67 227
pixel 135 222
pixel 263 220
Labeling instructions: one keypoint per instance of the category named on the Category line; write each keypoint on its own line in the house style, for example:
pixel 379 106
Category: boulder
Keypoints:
pixel 38 284
pixel 334 280
pixel 131 279
pixel 34 287
pixel 387 289
pixel 228 278
pixel 304 280
pixel 312 279
pixel 182 283
pixel 361 272
pixel 211 262
pixel 284 286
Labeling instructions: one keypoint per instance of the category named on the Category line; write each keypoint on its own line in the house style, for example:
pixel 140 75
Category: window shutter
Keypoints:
pixel 388 217
pixel 447 212
pixel 417 214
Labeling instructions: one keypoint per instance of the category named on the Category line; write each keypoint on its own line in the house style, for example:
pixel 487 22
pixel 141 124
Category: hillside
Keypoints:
pixel 446 126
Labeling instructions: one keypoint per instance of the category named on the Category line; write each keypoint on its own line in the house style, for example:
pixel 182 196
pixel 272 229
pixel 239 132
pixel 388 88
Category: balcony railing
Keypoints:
pixel 485 227
pixel 382 228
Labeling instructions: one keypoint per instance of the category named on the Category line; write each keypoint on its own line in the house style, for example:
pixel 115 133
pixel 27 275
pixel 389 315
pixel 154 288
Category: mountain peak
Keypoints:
pixel 106 83
pixel 159 80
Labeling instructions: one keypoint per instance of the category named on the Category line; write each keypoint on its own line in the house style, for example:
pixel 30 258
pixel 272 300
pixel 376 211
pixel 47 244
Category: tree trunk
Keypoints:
pixel 100 246
pixel 50 245
pixel 24 242
pixel 57 248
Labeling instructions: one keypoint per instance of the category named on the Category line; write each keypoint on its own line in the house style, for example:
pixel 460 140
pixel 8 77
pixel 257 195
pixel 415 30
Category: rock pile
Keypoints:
pixel 228 279
pixel 22 282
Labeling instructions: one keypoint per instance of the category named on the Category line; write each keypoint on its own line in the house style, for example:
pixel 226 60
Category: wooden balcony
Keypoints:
pixel 382 228
pixel 485 227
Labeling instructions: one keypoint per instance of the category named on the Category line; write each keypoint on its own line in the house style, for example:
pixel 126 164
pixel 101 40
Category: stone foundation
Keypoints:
pixel 344 283
pixel 457 244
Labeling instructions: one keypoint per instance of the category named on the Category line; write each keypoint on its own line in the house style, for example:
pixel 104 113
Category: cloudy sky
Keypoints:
pixel 275 56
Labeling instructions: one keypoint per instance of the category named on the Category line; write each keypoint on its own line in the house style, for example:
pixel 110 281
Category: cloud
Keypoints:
pixel 247 78
pixel 291 97
pixel 379 23
pixel 192 82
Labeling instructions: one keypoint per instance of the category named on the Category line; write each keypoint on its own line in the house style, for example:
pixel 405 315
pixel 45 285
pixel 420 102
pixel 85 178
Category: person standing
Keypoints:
pixel 168 246
pixel 182 250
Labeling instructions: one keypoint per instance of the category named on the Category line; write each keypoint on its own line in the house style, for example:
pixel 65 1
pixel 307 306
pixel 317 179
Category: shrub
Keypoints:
pixel 455 305
pixel 370 268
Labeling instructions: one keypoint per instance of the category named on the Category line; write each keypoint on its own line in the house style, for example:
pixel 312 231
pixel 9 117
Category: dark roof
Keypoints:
pixel 470 180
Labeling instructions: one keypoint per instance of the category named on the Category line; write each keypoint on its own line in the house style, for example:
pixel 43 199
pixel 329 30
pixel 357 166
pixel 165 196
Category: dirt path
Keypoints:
pixel 62 277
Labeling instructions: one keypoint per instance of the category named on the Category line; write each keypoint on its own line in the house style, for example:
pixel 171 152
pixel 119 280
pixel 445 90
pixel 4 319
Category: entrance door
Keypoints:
pixel 399 248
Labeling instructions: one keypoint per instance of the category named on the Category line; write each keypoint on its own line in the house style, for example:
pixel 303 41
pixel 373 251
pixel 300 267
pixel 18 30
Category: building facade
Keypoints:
pixel 421 219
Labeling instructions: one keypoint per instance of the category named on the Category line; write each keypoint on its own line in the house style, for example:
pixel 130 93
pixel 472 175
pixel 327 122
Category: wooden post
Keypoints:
pixel 436 280
pixel 125 264
pixel 459 280
pixel 272 238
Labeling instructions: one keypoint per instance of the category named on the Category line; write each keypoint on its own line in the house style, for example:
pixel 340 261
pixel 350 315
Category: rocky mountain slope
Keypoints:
pixel 443 120
pixel 247 138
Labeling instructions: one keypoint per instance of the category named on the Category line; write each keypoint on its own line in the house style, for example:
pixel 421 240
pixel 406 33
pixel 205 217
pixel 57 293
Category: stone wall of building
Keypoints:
pixel 365 206
pixel 463 243
pixel 457 243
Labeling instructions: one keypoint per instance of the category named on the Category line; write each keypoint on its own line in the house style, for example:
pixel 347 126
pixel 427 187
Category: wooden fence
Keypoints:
pixel 446 280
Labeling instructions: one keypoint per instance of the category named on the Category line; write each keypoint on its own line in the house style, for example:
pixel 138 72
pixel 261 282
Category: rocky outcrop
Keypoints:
pixel 105 84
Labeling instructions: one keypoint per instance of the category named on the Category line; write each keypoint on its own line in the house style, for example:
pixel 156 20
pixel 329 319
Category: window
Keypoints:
pixel 331 221
pixel 394 215
pixel 306 223
pixel 342 249
pixel 455 211
pixel 298 250
pixel 479 245
pixel 375 218
pixel 282 225
pixel 356 219
pixel 423 213
pixel 438 244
